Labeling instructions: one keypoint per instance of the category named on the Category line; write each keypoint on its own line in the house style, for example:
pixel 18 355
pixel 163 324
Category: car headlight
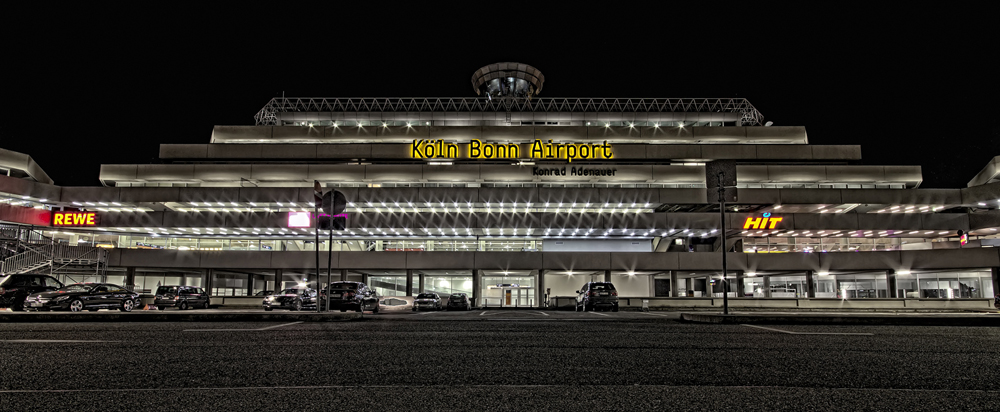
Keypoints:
pixel 60 298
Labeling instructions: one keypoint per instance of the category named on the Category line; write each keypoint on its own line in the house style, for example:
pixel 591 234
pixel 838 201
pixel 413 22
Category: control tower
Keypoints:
pixel 507 80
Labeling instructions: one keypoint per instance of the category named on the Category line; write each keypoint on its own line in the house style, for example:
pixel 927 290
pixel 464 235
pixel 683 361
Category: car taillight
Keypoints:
pixel 176 297
pixel 593 293
pixel 2 290
pixel 615 293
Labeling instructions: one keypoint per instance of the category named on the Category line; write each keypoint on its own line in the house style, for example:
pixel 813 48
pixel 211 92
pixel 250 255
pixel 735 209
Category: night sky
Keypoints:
pixel 90 87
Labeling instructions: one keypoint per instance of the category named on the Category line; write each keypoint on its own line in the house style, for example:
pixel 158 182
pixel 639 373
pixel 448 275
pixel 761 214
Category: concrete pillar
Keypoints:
pixel 250 284
pixel 708 286
pixel 409 282
pixel 130 278
pixel 420 283
pixel 690 286
pixel 738 287
pixel 477 279
pixel 207 281
pixel 343 275
pixel 996 281
pixel 652 286
pixel 364 278
pixel 890 284
pixel 607 275
pixel 810 286
pixel 277 280
pixel 541 288
pixel 674 284
pixel 767 286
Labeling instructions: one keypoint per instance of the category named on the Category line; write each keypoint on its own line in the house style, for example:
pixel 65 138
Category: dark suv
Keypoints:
pixel 15 288
pixel 597 295
pixel 351 295
pixel 459 301
pixel 181 297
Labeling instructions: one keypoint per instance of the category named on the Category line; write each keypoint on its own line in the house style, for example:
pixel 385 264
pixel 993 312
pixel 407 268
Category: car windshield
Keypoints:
pixel 291 292
pixel 344 286
pixel 458 297
pixel 166 290
pixel 602 287
pixel 426 296
pixel 77 287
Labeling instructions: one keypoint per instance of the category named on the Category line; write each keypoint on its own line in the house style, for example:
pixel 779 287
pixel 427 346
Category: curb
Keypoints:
pixel 158 316
pixel 858 319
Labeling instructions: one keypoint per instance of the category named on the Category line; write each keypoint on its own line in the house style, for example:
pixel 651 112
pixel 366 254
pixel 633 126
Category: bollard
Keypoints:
pixel 645 305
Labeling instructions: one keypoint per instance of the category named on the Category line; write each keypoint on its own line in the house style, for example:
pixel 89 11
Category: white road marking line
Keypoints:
pixel 55 341
pixel 481 314
pixel 241 330
pixel 807 333
pixel 487 387
pixel 546 314
pixel 654 314
pixel 595 313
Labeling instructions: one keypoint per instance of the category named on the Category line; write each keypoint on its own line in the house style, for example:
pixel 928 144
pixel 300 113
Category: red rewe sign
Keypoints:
pixel 74 218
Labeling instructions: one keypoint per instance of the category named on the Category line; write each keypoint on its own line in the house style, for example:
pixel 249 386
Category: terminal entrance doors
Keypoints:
pixel 516 296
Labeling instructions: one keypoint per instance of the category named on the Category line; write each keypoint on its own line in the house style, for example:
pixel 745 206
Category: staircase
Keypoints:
pixel 58 256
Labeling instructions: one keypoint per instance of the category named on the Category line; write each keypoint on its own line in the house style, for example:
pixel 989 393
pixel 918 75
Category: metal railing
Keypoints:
pixel 268 115
pixel 39 256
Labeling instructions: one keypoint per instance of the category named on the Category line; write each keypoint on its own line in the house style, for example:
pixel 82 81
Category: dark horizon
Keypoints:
pixel 79 106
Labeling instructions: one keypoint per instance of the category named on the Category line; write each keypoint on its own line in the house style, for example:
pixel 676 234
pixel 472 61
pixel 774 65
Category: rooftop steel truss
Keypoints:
pixel 269 114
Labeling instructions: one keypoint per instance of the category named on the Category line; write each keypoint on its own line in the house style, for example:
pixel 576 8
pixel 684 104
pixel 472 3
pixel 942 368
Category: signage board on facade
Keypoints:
pixel 74 219
pixel 477 149
pixel 766 221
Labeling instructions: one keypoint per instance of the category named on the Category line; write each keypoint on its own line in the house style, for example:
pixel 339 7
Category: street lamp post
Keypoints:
pixel 722 233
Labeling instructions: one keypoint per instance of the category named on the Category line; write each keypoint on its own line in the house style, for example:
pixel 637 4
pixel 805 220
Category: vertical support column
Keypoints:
pixel 420 283
pixel 277 280
pixel 541 288
pixel 249 284
pixel 409 282
pixel 708 287
pixel 607 275
pixel 207 281
pixel 890 284
pixel 364 278
pixel 130 278
pixel 674 284
pixel 767 286
pixel 476 281
pixel 343 275
pixel 690 286
pixel 738 287
pixel 996 280
pixel 810 286
pixel 652 286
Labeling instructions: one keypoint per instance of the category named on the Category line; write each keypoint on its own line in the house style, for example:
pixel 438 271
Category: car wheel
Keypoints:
pixel 361 308
pixel 127 305
pixel 76 305
pixel 298 305
pixel 17 306
pixel 183 306
pixel 375 309
pixel 205 305
pixel 160 308
pixel 615 309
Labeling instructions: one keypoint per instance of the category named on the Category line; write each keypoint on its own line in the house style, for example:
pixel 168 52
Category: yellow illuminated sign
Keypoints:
pixel 74 218
pixel 766 222
pixel 477 149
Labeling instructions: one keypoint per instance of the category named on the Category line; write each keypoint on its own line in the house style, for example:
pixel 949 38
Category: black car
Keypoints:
pixel 263 293
pixel 80 296
pixel 181 297
pixel 15 288
pixel 427 301
pixel 292 299
pixel 459 301
pixel 597 295
pixel 352 295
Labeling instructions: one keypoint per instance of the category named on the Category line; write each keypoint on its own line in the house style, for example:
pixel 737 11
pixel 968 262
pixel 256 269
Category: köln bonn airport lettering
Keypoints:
pixel 476 149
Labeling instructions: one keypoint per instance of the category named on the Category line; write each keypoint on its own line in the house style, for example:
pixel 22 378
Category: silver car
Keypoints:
pixel 427 301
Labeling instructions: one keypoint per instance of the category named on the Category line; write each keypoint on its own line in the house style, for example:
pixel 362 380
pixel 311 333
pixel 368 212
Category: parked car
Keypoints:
pixel 459 301
pixel 15 288
pixel 292 299
pixel 80 296
pixel 996 302
pixel 181 297
pixel 351 295
pixel 264 293
pixel 597 295
pixel 427 301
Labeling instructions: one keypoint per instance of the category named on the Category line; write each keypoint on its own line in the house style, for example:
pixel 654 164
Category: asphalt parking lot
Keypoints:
pixel 497 360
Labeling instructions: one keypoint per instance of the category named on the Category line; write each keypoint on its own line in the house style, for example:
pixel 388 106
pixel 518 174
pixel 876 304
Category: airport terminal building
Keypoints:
pixel 517 200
